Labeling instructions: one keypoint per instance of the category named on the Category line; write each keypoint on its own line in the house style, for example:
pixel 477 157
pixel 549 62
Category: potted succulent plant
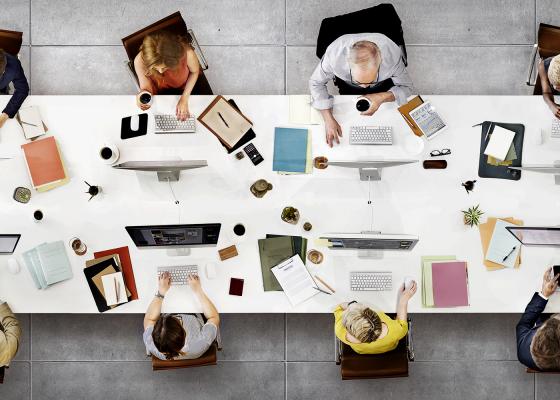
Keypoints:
pixel 290 215
pixel 472 216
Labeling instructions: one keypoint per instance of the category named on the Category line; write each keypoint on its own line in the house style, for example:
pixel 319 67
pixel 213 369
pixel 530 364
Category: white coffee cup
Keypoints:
pixel 362 104
pixel 109 153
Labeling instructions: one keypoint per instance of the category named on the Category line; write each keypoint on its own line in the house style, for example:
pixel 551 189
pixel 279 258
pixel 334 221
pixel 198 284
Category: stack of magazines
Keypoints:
pixel 48 264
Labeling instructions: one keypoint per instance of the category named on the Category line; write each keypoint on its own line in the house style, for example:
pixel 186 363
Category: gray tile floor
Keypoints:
pixel 267 47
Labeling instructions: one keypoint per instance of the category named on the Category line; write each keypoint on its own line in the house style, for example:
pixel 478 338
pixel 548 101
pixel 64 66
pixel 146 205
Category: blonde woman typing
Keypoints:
pixel 372 332
pixel 167 64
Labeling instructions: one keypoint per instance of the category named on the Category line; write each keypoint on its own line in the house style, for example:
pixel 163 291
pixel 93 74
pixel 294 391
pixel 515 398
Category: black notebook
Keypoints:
pixel 486 170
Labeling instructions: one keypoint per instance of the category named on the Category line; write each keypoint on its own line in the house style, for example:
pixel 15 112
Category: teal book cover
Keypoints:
pixel 290 149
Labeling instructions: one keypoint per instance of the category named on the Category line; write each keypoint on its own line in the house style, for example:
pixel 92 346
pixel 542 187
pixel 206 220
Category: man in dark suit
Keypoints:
pixel 11 71
pixel 538 339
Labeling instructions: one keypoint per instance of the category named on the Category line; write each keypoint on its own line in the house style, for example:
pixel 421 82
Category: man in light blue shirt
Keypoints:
pixel 367 64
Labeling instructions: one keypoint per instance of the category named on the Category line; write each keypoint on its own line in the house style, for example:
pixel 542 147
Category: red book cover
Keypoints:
pixel 126 264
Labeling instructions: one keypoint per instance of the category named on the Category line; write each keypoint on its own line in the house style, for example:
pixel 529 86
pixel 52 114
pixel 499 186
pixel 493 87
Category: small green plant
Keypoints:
pixel 290 215
pixel 472 216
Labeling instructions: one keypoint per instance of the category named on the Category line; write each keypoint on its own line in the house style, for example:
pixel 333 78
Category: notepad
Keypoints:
pixel 500 143
pixel 502 244
pixel 113 285
pixel 301 111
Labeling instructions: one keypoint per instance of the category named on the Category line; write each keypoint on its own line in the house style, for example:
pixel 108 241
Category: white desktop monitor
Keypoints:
pixel 167 171
pixel 8 243
pixel 370 170
pixel 536 236
pixel 370 241
pixel 553 169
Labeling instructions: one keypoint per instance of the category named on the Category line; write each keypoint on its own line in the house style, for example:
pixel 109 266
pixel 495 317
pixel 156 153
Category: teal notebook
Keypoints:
pixel 48 264
pixel 290 150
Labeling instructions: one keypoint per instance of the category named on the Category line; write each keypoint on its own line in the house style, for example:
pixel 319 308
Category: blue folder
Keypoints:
pixel 290 149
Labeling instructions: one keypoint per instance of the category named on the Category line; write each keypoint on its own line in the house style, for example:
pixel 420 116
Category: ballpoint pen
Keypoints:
pixel 222 118
pixel 324 283
pixel 117 288
pixel 509 254
pixel 321 290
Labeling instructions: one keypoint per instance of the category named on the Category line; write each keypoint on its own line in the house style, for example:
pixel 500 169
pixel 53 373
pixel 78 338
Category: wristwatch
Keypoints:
pixel 158 294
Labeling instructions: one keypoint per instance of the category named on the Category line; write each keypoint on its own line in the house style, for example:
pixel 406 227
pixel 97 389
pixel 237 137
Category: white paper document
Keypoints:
pixel 295 280
pixel 114 288
pixel 31 122
pixel 301 111
pixel 499 143
pixel 503 245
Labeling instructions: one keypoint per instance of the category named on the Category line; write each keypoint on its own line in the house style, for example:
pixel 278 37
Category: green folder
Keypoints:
pixel 274 250
pixel 427 288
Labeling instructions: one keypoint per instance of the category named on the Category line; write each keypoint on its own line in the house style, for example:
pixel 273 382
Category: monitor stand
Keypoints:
pixel 168 176
pixel 370 174
pixel 179 252
pixel 370 254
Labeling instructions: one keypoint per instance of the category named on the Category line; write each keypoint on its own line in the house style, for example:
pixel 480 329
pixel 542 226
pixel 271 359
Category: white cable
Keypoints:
pixel 175 199
pixel 370 203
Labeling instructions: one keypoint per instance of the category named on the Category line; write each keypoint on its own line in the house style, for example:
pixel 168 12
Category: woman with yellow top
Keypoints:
pixel 372 332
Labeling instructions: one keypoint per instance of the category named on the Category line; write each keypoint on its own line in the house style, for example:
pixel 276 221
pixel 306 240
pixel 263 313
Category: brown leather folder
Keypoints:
pixel 405 110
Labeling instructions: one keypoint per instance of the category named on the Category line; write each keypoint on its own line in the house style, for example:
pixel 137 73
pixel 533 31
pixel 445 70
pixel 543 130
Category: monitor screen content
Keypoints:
pixel 8 243
pixel 537 236
pixel 174 235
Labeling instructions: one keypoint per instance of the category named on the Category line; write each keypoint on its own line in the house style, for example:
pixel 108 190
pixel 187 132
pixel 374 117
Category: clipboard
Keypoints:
pixel 486 170
pixel 225 121
pixel 405 110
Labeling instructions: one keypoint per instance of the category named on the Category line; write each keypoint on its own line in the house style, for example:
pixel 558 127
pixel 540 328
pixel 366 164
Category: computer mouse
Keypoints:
pixel 134 122
pixel 13 266
pixel 210 270
pixel 408 282
pixel 538 137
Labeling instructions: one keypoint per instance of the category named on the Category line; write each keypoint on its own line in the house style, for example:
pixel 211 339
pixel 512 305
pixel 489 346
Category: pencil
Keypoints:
pixel 324 283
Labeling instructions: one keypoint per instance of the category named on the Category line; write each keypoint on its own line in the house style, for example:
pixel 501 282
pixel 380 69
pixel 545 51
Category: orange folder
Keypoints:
pixel 43 162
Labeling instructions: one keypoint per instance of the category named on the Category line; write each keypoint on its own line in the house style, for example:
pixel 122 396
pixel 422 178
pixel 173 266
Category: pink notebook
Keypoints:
pixel 450 284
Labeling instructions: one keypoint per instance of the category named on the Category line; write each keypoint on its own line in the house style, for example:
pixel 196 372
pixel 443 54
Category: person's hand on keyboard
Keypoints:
pixel 182 109
pixel 194 282
pixel 164 283
pixel 376 100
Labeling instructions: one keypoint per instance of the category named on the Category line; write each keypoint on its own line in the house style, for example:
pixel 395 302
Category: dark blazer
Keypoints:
pixel 526 329
pixel 14 73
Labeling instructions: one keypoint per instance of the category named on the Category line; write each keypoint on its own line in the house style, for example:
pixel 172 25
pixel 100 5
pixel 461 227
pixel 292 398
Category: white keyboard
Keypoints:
pixel 178 273
pixel 371 281
pixel 371 135
pixel 167 123
pixel 555 132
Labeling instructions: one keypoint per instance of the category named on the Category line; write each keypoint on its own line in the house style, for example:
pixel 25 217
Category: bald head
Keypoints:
pixel 364 59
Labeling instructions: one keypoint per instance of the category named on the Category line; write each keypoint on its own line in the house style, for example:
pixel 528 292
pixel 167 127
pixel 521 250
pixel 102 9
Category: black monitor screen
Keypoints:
pixel 8 243
pixel 174 235
pixel 536 236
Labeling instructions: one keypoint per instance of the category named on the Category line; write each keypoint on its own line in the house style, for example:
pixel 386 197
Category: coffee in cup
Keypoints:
pixel 109 153
pixel 146 97
pixel 363 104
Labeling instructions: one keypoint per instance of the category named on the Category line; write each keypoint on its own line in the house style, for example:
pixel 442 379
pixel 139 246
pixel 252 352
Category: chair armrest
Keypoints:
pixel 532 62
pixel 410 342
pixel 198 51
pixel 337 350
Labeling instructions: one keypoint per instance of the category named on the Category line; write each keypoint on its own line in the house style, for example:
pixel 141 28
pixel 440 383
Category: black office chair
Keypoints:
pixel 382 18
pixel 393 364
pixel 548 45
pixel 2 375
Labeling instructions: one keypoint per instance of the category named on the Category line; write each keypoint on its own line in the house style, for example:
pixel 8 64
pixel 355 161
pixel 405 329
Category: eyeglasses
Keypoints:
pixel 363 83
pixel 443 152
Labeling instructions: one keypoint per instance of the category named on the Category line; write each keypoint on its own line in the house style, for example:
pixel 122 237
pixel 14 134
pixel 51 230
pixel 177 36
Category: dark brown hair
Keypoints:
pixel 545 347
pixel 3 62
pixel 169 336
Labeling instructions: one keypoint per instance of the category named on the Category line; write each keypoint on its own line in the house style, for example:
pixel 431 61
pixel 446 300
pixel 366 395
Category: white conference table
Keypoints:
pixel 408 200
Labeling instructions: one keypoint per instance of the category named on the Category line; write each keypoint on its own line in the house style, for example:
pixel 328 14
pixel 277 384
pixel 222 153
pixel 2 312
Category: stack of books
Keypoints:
pixel 292 151
pixel 275 249
pixel 111 279
pixel 44 164
pixel 445 282
pixel 48 264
